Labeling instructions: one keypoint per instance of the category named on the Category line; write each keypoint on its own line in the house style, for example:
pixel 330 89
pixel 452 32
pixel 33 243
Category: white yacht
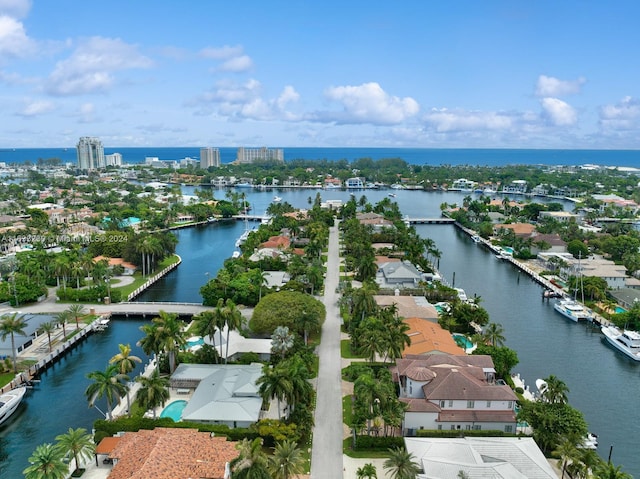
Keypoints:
pixel 277 199
pixel 625 341
pixel 10 401
pixel 572 310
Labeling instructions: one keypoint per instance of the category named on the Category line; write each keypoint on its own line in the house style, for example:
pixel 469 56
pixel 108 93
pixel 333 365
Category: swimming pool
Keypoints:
pixel 462 341
pixel 620 310
pixel 174 410
pixel 195 341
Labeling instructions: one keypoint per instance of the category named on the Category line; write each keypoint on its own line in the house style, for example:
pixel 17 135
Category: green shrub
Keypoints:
pixel 378 443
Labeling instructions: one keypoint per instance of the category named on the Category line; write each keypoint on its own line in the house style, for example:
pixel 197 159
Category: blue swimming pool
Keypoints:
pixel 462 341
pixel 174 410
pixel 620 310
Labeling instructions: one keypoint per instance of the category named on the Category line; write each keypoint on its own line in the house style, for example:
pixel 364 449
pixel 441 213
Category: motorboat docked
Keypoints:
pixel 475 238
pixel 590 442
pixel 102 324
pixel 10 401
pixel 243 237
pixel 276 199
pixel 625 341
pixel 461 294
pixel 572 310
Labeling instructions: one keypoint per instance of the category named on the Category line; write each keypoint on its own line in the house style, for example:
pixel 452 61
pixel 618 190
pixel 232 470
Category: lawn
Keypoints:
pixel 345 350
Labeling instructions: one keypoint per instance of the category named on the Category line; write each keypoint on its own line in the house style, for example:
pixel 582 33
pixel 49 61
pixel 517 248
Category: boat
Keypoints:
pixel 572 310
pixel 461 294
pixel 236 254
pixel 475 238
pixel 244 184
pixel 589 442
pixel 625 341
pixel 277 199
pixel 10 401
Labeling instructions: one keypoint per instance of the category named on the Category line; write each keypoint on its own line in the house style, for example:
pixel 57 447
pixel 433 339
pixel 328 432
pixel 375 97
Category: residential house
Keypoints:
pixel 495 457
pixel 521 230
pixel 398 275
pixel 451 392
pixel 170 453
pixel 355 183
pixel 375 220
pixel 516 187
pixel 128 268
pixel 561 216
pixel 409 306
pixel 222 393
pixel 429 338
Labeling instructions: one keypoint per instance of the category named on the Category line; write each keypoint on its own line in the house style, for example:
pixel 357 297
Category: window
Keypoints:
pixel 453 428
pixel 471 404
pixel 488 404
pixel 508 428
pixel 450 403
pixel 441 404
pixel 439 427
pixel 477 427
pixel 410 388
pixel 468 427
pixel 510 405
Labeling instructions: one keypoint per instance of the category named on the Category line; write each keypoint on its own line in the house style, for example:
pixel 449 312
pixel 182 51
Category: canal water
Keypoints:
pixel 602 383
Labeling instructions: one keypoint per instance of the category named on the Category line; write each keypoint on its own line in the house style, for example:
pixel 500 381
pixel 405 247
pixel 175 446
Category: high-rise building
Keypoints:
pixel 115 159
pixel 209 157
pixel 250 155
pixel 90 153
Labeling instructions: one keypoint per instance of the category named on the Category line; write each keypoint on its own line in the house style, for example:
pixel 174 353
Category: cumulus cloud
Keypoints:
pixel 237 64
pixel 14 41
pixel 445 120
pixel 91 66
pixel 15 8
pixel 554 87
pixel 558 112
pixel 36 108
pixel 367 103
pixel 244 100
pixel 627 108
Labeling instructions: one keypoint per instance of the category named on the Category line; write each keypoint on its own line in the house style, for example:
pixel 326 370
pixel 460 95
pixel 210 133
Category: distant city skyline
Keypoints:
pixel 320 74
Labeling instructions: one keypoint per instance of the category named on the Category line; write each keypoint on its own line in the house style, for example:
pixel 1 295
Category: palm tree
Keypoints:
pixel 281 340
pixel 401 464
pixel 153 392
pixel 62 318
pixel 233 321
pixel 48 327
pixel 308 322
pixel 10 325
pixel 76 311
pixel 47 462
pixel 206 324
pixel 555 390
pixel 606 470
pixel 251 463
pixel 106 384
pixel 367 471
pixel 568 453
pixel 77 443
pixel 125 361
pixel 287 460
pixel 169 335
pixel 274 383
pixel 494 334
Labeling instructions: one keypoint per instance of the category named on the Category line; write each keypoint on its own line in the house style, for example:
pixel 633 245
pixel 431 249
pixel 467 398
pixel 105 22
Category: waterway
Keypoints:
pixel 602 382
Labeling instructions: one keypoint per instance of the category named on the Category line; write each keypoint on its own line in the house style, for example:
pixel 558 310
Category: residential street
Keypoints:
pixel 326 455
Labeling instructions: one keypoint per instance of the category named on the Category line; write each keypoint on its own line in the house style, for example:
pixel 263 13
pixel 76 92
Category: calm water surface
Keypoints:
pixel 602 383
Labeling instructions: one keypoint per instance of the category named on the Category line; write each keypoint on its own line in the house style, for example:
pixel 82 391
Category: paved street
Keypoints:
pixel 326 455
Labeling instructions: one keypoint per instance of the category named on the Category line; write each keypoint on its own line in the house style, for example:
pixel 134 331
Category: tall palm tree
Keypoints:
pixel 301 389
pixel 206 324
pixel 251 462
pixel 169 335
pixel 77 443
pixel 125 361
pixel 555 391
pixel 47 462
pixel 48 327
pixel 274 383
pixel 10 325
pixel 153 392
pixel 493 334
pixel 62 318
pixel 76 311
pixel 401 464
pixel 606 470
pixel 287 460
pixel 107 384
pixel 233 321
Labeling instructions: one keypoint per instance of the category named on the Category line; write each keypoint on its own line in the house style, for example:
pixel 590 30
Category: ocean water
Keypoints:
pixel 415 156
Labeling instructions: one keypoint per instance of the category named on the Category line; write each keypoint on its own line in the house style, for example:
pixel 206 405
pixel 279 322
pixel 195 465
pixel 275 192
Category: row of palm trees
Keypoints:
pixel 399 465
pixel 48 460
pixel 12 324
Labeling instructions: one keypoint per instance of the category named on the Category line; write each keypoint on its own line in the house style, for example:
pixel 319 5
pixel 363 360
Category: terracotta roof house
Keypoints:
pixel 495 457
pixel 375 220
pixel 224 393
pixel 451 392
pixel 277 242
pixel 427 338
pixel 409 306
pixel 155 454
pixel 129 268
pixel 519 229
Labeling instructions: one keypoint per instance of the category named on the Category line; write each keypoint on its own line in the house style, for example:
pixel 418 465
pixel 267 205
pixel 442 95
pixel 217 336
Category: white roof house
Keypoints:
pixel 495 457
pixel 224 393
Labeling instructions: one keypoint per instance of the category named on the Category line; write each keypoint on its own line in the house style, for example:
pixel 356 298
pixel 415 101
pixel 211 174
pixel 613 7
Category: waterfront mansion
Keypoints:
pixel 453 392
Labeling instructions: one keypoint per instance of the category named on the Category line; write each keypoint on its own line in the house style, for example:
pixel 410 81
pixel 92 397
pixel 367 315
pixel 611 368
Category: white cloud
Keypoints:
pixel 15 8
pixel 221 53
pixel 90 67
pixel 553 87
pixel 558 112
pixel 14 41
pixel 627 108
pixel 445 120
pixel 367 103
pixel 237 64
pixel 36 108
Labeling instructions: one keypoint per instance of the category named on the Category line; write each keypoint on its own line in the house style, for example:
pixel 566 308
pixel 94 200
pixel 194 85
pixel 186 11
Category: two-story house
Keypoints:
pixel 451 392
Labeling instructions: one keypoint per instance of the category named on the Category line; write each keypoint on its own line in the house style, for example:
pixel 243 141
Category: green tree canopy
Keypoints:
pixel 285 308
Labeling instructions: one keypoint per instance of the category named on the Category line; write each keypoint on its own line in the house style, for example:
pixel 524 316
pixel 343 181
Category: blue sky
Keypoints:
pixel 462 74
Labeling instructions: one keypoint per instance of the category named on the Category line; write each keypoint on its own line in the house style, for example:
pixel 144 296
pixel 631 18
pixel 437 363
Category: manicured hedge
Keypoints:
pixel 378 443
